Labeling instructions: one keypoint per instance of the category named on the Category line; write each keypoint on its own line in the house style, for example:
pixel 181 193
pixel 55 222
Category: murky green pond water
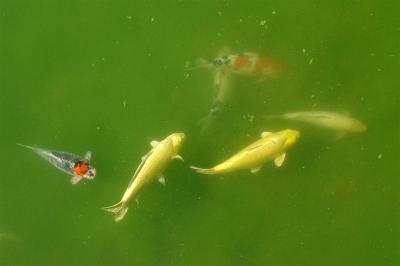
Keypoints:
pixel 110 76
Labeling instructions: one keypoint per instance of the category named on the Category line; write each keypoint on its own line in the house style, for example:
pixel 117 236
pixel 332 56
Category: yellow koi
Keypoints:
pixel 151 168
pixel 270 146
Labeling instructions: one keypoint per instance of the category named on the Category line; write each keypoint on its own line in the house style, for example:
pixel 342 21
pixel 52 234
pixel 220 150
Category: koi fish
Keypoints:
pixel 151 168
pixel 341 123
pixel 270 146
pixel 247 64
pixel 67 162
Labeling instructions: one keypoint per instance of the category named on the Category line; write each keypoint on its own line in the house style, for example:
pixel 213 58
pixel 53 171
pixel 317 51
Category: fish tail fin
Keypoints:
pixel 118 209
pixel 209 171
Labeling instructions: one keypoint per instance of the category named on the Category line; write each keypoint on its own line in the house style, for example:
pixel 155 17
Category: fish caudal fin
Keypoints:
pixel 118 209
pixel 210 171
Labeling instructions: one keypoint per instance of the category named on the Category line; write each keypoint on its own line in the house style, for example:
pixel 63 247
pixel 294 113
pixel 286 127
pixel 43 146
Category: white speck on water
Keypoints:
pixel 263 22
pixel 304 50
pixel 379 69
pixel 273 12
pixel 362 98
pixel 311 61
pixel 312 96
pixel 372 54
pixel 219 13
pixel 103 59
pixel 186 75
pixel 124 103
pixel 149 54
pixel 152 19
pixel 240 20
pixel 380 156
pixel 98 128
pixel 129 17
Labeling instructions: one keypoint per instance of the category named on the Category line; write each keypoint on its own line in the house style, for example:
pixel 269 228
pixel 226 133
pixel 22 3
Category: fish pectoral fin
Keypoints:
pixel 280 159
pixel 75 179
pixel 161 179
pixel 88 155
pixel 154 143
pixel 340 135
pixel 265 134
pixel 255 169
pixel 178 157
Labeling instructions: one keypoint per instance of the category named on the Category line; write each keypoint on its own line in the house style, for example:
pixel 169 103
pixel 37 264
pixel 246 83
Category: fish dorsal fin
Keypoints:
pixel 87 155
pixel 280 159
pixel 154 143
pixel 265 134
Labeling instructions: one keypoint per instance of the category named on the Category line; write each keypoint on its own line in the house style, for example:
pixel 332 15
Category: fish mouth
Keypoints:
pixel 91 173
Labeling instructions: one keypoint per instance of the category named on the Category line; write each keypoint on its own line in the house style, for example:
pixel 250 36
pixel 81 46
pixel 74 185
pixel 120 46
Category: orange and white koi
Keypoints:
pixel 67 162
pixel 244 64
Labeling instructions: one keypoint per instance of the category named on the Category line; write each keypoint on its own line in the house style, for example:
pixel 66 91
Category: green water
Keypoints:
pixel 109 76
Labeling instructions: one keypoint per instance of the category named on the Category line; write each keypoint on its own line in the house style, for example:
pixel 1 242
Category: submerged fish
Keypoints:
pixel 247 64
pixel 67 162
pixel 222 90
pixel 270 146
pixel 151 168
pixel 341 123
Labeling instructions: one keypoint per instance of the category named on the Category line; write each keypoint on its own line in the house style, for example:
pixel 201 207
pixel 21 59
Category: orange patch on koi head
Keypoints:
pixel 81 168
pixel 241 61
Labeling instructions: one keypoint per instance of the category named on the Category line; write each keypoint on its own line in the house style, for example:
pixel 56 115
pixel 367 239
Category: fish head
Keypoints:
pixel 177 140
pixel 90 173
pixel 291 136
